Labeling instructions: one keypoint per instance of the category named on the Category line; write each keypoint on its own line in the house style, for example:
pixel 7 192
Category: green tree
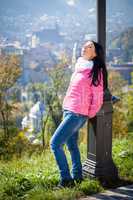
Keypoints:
pixel 120 123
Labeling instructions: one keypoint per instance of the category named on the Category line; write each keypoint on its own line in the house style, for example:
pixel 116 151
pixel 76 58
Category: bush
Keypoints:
pixel 14 146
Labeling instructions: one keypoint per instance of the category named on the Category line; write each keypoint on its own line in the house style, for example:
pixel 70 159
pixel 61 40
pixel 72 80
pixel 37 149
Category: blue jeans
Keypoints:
pixel 67 133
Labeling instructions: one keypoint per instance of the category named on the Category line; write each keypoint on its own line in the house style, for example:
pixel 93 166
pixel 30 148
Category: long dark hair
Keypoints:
pixel 98 67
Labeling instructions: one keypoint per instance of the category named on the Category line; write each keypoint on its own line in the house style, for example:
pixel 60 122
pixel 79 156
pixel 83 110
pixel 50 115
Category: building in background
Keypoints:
pixel 33 121
pixel 34 41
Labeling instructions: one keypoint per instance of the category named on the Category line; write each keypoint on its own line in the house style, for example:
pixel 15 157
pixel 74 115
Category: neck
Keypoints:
pixel 86 58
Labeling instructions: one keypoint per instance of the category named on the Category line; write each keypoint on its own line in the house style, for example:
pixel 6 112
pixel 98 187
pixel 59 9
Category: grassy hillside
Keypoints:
pixel 34 178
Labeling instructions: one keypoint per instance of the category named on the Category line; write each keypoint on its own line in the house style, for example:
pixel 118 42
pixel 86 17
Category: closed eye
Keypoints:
pixel 88 46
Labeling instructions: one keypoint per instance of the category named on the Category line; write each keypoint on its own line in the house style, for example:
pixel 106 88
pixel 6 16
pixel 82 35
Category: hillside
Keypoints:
pixel 125 42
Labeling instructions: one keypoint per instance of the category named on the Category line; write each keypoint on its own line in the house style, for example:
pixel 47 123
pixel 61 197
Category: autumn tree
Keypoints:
pixel 10 71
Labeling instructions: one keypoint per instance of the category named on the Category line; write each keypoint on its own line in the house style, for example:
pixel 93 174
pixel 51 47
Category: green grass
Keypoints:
pixel 34 178
pixel 123 156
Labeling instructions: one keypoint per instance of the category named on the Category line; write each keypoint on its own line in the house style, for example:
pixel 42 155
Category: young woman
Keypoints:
pixel 83 99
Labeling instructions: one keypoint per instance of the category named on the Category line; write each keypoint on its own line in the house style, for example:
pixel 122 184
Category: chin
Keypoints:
pixel 83 54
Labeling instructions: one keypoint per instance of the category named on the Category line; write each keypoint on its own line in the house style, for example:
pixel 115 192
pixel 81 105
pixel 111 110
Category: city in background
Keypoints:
pixel 42 33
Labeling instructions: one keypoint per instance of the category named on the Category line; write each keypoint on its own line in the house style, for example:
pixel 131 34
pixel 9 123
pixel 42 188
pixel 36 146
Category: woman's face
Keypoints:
pixel 88 50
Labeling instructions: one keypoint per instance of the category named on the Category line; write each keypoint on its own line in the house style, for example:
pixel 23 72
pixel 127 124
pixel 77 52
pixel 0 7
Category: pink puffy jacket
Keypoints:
pixel 82 97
